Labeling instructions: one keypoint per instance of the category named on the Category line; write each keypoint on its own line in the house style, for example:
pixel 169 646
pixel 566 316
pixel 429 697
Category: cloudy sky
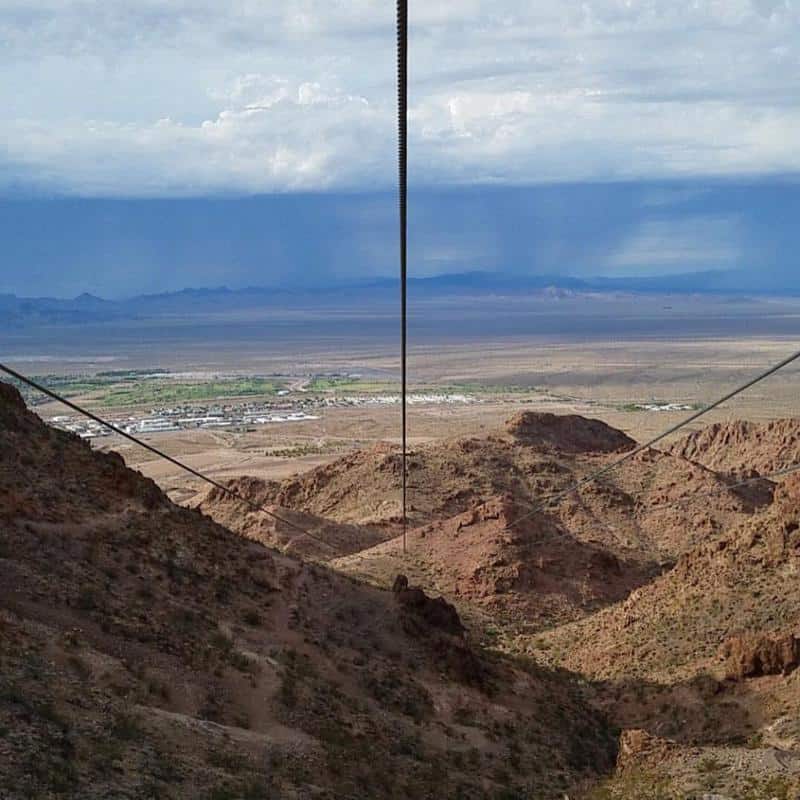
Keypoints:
pixel 182 99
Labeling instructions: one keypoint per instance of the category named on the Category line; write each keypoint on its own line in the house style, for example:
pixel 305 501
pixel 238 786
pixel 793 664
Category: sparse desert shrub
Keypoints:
pixel 126 728
pixel 755 741
pixel 287 691
pixel 709 765
pixel 145 592
pixel 240 661
pixel 774 788
pixel 457 758
pixel 222 590
pixel 514 757
pixel 254 789
pixel 229 760
pixel 162 690
pixel 511 793
pixel 48 712
pixel 252 617
pixel 185 620
pixel 474 756
pixel 219 641
pixel 104 752
pixel 501 775
pixel 80 666
pixel 165 767
pixel 58 774
pixel 13 696
pixel 87 599
pixel 636 785
pixel 464 715
pixel 405 696
pixel 410 745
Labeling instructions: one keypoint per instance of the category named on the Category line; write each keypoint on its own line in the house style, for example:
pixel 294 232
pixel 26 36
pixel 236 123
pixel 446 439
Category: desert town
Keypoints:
pixel 238 416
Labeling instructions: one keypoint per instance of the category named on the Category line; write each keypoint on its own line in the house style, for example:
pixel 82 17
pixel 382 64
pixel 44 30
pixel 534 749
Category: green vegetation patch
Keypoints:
pixel 156 392
pixel 355 385
pixel 66 385
pixel 483 388
pixel 148 387
pixel 358 385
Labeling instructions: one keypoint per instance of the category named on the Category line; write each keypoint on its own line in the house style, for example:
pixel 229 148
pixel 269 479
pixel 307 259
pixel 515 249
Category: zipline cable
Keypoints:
pixel 402 131
pixel 161 454
pixel 644 492
pixel 781 473
pixel 770 476
pixel 642 447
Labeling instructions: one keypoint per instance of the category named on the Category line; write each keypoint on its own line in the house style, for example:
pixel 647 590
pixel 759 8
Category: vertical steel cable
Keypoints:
pixel 402 129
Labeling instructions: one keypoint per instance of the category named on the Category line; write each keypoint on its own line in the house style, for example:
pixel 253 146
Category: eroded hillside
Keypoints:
pixel 478 533
pixel 149 652
pixel 667 584
pixel 744 448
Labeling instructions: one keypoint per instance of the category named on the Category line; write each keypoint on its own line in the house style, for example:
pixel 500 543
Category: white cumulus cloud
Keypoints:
pixel 184 97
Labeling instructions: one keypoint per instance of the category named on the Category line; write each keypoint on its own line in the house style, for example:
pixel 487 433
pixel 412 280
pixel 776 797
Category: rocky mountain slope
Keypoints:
pixel 533 574
pixel 600 542
pixel 704 659
pixel 744 448
pixel 664 584
pixel 445 479
pixel 146 651
pixel 734 583
pixel 292 531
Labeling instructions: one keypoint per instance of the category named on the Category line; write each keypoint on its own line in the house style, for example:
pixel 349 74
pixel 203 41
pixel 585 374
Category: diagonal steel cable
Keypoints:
pixel 593 476
pixel 161 454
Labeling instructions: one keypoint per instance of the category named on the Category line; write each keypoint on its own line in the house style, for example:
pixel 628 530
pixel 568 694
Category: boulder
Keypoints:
pixel 431 612
pixel 639 748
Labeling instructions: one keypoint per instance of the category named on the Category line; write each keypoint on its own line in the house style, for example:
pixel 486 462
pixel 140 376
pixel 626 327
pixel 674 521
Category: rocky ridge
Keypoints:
pixel 146 651
pixel 742 448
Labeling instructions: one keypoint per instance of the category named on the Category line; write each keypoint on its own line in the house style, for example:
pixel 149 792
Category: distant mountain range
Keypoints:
pixel 22 311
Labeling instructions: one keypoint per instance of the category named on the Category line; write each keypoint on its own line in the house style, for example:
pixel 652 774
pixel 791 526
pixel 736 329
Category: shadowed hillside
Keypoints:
pixel 149 652
pixel 664 584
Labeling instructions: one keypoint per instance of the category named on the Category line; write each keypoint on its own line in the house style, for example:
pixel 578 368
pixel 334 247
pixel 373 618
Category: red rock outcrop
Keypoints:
pixel 638 748
pixel 761 654
pixel 744 448
pixel 567 433
pixel 432 612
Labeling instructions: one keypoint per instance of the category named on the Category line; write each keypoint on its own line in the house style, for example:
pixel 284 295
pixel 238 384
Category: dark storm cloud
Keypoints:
pixel 119 247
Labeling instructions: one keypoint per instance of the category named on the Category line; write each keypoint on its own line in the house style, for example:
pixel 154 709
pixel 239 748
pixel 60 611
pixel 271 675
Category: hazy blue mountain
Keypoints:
pixel 15 311
pixel 21 311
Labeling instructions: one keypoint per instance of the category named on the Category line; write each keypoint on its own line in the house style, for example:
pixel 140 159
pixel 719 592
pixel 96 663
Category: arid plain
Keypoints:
pixel 607 380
